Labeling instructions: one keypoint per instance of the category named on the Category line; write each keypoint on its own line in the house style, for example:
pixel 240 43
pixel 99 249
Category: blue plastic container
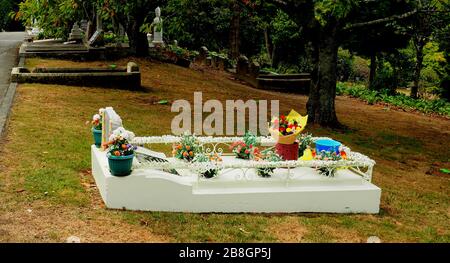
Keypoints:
pixel 327 145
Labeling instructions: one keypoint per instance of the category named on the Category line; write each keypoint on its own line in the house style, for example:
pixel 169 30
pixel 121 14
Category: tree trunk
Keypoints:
pixel 268 43
pixel 321 102
pixel 373 69
pixel 234 30
pixel 275 59
pixel 138 40
pixel 417 69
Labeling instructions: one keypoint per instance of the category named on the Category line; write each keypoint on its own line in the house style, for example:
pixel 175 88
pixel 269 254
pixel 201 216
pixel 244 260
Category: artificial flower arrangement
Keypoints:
pixel 211 158
pixel 269 157
pixel 246 148
pixel 187 148
pixel 118 144
pixel 329 156
pixel 120 152
pixel 97 127
pixel 285 129
pixel 96 122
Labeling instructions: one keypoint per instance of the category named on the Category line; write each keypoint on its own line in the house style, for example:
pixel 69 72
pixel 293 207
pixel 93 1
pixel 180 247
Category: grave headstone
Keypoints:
pixel 254 69
pixel 110 121
pixel 76 34
pixel 242 65
pixel 97 38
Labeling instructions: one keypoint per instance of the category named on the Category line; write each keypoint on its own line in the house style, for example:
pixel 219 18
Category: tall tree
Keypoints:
pixel 132 14
pixel 54 17
pixel 326 21
pixel 371 42
pixel 6 8
pixel 235 29
pixel 431 16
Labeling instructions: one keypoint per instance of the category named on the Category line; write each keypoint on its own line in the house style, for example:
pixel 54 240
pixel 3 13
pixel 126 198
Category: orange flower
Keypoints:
pixel 179 146
pixel 124 146
pixel 174 152
pixel 188 147
pixel 191 153
pixel 343 155
pixel 117 153
pixel 185 154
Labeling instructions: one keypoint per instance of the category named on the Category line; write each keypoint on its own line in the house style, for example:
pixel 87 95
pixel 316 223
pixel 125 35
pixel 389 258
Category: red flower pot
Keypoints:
pixel 288 152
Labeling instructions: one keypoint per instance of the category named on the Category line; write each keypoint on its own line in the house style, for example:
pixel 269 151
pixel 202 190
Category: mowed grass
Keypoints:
pixel 45 165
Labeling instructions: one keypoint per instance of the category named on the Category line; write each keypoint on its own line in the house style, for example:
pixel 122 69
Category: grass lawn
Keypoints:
pixel 47 192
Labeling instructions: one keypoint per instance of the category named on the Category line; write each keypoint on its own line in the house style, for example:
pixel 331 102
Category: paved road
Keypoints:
pixel 9 42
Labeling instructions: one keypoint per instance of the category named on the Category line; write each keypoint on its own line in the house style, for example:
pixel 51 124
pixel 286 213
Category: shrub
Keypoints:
pixel 360 69
pixel 439 106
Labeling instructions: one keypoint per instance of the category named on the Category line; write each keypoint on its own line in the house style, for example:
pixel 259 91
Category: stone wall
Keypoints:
pixel 250 73
pixel 206 58
pixel 122 78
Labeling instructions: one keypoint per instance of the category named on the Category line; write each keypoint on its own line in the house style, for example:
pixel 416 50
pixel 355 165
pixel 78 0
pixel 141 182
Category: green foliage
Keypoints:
pixel 6 20
pixel 385 80
pixel 250 139
pixel 110 37
pixel 195 23
pixel 438 106
pixel 326 10
pixel 55 18
pixel 351 67
pixel 434 64
pixel 284 68
pixel 182 52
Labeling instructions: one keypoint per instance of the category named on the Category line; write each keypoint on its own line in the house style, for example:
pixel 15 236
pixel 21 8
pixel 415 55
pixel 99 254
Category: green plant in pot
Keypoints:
pixel 120 152
pixel 97 128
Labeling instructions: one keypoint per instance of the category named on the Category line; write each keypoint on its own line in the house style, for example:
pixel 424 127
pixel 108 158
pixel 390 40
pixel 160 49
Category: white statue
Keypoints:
pixel 157 27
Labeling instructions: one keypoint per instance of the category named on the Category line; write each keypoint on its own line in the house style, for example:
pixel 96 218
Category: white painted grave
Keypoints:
pixel 295 186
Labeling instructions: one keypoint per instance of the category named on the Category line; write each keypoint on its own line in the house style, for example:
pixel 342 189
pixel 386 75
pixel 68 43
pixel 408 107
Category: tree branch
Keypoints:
pixel 381 20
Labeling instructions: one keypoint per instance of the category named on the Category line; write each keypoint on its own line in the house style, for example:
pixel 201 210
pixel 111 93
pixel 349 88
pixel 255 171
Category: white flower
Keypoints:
pixel 101 110
pixel 112 137
pixel 119 131
pixel 96 117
